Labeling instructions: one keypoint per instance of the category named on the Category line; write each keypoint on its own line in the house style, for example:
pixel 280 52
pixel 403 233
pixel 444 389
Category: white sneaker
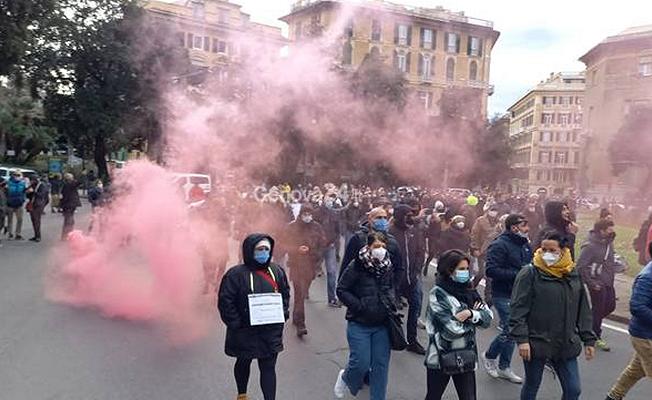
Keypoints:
pixel 508 374
pixel 340 388
pixel 491 366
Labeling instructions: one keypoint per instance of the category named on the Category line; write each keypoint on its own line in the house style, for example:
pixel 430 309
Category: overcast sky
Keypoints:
pixel 537 37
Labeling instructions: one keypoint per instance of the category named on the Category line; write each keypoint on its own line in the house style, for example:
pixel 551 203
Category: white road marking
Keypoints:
pixel 615 328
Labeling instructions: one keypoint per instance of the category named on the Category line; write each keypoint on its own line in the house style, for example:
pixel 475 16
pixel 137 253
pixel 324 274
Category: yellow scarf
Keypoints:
pixel 563 267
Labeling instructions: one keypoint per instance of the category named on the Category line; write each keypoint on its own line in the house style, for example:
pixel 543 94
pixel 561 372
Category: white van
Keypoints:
pixel 187 181
pixel 5 173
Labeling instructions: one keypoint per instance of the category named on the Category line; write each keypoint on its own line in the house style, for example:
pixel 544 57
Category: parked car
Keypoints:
pixel 188 181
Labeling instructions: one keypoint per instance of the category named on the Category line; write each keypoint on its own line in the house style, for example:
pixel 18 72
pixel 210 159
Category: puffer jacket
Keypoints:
pixel 640 305
pixel 552 314
pixel 242 339
pixel 447 333
pixel 505 258
pixel 364 295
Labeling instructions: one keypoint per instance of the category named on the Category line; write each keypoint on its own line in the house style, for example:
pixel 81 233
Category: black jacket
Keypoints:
pixel 329 219
pixel 359 240
pixel 552 314
pixel 506 256
pixel 70 196
pixel 364 295
pixel 242 339
pixel 596 262
pixel 411 242
pixel 40 197
pixel 555 224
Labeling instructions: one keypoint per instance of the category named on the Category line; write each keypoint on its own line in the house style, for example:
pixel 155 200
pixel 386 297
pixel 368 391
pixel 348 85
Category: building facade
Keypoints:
pixel 435 48
pixel 619 78
pixel 217 34
pixel 545 133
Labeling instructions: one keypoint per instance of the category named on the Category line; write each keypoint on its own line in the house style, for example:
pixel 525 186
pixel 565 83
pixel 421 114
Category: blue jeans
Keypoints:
pixel 414 296
pixel 502 345
pixel 369 352
pixel 332 271
pixel 567 371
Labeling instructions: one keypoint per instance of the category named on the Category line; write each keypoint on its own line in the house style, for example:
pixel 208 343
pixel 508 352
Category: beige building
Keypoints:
pixel 217 33
pixel 545 135
pixel 619 77
pixel 435 48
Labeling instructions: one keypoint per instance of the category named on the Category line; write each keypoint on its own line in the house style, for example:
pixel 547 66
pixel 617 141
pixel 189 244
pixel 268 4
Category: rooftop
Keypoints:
pixel 438 13
pixel 634 34
pixel 560 81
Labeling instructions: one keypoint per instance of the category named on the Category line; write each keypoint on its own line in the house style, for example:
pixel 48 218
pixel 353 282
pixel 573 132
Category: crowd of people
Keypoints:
pixel 515 254
pixel 522 250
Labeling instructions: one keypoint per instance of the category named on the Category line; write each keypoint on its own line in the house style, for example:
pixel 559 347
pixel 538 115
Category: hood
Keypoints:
pixel 248 246
pixel 552 212
pixel 399 215
pixel 594 237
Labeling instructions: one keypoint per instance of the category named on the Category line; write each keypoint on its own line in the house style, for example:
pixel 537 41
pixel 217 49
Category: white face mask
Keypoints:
pixel 306 218
pixel 379 253
pixel 460 225
pixel 551 258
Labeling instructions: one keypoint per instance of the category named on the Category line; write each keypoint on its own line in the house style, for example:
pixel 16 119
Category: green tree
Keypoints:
pixel 105 78
pixel 21 125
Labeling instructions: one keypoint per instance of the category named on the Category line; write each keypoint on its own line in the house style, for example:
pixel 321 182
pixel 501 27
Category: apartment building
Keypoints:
pixel 435 48
pixel 546 135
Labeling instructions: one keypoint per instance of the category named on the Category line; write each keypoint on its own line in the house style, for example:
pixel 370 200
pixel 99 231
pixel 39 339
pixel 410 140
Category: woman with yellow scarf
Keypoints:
pixel 551 318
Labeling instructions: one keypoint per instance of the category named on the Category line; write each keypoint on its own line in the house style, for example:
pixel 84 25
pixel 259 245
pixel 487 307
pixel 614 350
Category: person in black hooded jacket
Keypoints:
pixel 559 220
pixel 411 240
pixel 243 341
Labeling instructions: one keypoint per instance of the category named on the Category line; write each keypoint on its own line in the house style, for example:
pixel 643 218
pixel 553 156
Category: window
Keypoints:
pixel 426 98
pixel 565 101
pixel 348 30
pixel 402 62
pixel 376 30
pixel 347 54
pixel 221 46
pixel 298 30
pixel 426 38
pixel 578 118
pixel 548 101
pixel 450 69
pixel 544 157
pixel 564 119
pixel 538 175
pixel 579 100
pixel 207 43
pixel 576 159
pixel 547 118
pixel 474 47
pixel 473 71
pixel 223 17
pixel 545 136
pixel 645 66
pixel 424 67
pixel 197 43
pixel 569 136
pixel 452 42
pixel 191 40
pixel 402 35
pixel 198 9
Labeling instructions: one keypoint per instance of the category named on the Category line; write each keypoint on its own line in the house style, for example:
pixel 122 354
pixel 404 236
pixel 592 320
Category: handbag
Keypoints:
pixel 394 325
pixel 395 330
pixel 456 362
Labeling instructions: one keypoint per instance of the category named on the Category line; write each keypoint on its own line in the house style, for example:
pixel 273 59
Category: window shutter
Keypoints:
pixel 469 39
pixel 423 30
pixel 395 60
pixel 408 56
pixel 409 38
pixel 434 39
pixel 207 43
pixel 446 37
pixel 395 33
pixel 480 45
pixel 432 66
pixel 457 45
pixel 191 40
pixel 420 65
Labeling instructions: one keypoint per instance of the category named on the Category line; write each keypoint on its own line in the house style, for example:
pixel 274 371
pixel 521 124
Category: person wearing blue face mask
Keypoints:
pixel 455 310
pixel 249 334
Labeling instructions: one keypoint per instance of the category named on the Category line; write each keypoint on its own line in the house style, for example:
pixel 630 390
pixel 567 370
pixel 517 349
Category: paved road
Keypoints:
pixel 53 352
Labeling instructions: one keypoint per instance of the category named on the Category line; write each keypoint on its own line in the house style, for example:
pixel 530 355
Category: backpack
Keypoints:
pixel 15 193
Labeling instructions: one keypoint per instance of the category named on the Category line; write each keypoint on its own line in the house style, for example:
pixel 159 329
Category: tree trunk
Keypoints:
pixel 99 156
